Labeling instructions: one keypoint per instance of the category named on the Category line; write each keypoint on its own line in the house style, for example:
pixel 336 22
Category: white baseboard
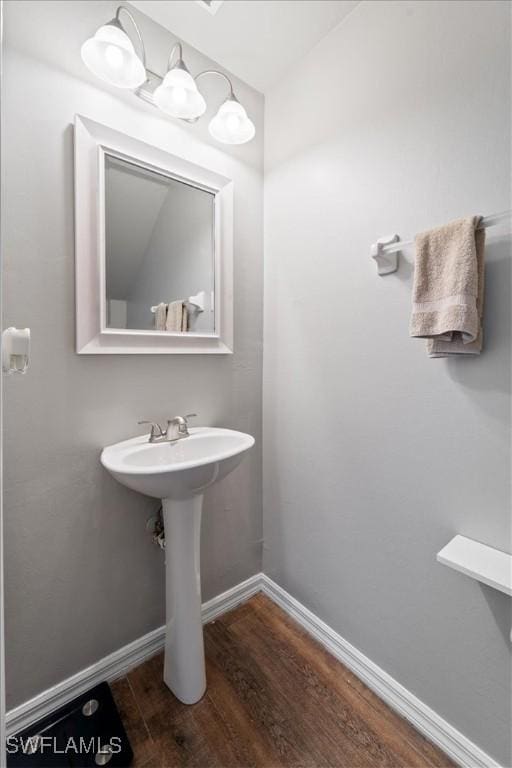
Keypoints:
pixel 232 597
pixel 453 743
pixel 118 663
pixel 435 728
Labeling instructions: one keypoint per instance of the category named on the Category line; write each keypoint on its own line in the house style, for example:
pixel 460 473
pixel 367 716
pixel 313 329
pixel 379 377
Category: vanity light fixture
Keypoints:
pixel 231 124
pixel 111 56
pixel 177 94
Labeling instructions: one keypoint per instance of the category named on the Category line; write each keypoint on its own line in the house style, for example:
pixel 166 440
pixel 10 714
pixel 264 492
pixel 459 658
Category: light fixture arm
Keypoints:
pixel 176 47
pixel 118 22
pixel 220 74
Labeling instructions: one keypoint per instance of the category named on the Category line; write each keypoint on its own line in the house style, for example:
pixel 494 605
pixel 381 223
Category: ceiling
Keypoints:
pixel 256 40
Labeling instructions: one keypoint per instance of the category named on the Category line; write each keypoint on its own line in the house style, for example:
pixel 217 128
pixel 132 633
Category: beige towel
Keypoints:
pixel 160 316
pixel 177 317
pixel 448 288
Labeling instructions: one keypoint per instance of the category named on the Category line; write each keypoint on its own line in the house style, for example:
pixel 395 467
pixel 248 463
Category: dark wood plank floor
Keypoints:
pixel 275 697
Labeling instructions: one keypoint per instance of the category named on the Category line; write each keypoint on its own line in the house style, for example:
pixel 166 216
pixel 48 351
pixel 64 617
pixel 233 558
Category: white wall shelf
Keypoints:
pixel 479 561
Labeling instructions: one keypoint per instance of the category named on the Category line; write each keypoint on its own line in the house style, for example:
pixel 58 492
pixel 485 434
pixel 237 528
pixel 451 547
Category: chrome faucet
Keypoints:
pixel 177 429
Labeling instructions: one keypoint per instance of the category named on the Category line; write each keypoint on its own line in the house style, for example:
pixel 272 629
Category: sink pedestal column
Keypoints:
pixel 184 670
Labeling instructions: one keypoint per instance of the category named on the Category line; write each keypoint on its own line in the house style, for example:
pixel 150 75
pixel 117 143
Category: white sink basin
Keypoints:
pixel 178 473
pixel 177 470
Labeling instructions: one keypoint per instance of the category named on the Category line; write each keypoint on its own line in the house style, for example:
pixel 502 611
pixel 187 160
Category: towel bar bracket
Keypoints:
pixel 387 263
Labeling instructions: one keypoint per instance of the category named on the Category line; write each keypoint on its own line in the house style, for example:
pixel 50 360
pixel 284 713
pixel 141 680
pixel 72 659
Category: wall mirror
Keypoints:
pixel 153 248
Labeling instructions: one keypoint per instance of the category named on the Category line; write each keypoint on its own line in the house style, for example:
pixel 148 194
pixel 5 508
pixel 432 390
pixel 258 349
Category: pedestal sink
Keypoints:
pixel 179 473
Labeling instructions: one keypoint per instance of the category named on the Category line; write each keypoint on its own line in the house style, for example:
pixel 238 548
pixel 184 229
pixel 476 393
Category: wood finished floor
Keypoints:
pixel 275 697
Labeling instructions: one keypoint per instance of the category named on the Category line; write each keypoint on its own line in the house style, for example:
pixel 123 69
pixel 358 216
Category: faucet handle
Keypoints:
pixel 184 428
pixel 156 429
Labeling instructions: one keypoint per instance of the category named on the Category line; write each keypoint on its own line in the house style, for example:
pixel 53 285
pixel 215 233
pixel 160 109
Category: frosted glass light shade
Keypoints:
pixel 177 95
pixel 111 56
pixel 231 124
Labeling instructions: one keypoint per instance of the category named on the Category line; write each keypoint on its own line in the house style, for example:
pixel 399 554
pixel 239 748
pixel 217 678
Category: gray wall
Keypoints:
pixel 374 455
pixel 82 576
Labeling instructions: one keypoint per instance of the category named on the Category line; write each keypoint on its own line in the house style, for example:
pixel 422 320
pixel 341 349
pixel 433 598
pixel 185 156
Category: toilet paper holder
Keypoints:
pixel 15 350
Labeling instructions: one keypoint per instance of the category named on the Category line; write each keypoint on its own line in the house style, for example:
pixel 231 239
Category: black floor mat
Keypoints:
pixel 69 738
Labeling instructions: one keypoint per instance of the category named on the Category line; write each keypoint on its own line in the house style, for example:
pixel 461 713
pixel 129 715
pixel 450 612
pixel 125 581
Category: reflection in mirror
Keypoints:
pixel 159 251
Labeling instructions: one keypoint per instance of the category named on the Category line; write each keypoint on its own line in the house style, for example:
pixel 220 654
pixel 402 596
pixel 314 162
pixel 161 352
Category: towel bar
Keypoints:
pixel 193 302
pixel 385 250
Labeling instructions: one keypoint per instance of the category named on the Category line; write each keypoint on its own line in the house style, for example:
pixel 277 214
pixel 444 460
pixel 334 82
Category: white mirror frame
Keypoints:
pixel 92 142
